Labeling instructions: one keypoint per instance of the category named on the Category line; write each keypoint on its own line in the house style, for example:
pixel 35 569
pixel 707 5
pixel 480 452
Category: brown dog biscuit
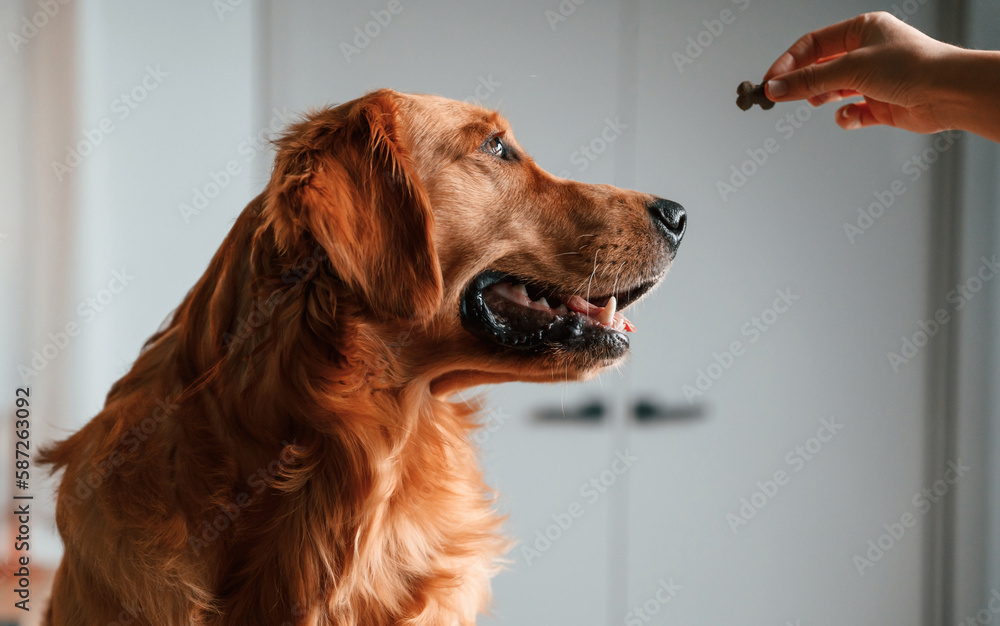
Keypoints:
pixel 749 94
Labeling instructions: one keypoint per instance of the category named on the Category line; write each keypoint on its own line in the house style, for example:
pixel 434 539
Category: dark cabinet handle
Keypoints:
pixel 588 412
pixel 648 411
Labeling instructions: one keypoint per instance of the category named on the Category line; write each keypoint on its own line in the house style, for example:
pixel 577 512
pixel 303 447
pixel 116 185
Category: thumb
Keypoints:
pixel 814 80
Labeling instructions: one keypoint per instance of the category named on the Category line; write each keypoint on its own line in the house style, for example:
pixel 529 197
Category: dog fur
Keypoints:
pixel 287 449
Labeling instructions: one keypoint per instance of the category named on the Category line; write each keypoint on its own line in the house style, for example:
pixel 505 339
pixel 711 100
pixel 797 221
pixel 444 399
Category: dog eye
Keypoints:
pixel 496 148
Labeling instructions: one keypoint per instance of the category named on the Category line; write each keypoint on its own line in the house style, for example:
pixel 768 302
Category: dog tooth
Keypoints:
pixel 521 289
pixel 562 310
pixel 542 301
pixel 607 316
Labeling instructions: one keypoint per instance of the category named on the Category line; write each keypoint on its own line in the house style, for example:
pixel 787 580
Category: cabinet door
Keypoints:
pixel 775 323
pixel 552 72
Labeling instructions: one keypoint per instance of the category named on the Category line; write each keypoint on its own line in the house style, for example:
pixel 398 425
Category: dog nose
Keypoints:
pixel 670 218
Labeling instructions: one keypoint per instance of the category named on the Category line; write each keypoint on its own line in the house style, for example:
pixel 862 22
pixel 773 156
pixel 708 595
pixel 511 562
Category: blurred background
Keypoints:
pixel 807 431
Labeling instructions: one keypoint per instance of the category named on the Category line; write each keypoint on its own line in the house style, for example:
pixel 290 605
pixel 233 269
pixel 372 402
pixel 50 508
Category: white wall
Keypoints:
pixel 160 96
pixel 977 572
pixel 37 278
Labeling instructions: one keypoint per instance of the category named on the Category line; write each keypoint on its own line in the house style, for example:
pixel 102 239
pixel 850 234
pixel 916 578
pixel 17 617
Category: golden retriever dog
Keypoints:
pixel 286 449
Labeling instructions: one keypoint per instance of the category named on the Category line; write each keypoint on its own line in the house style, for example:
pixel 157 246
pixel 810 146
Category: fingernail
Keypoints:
pixel 851 121
pixel 777 88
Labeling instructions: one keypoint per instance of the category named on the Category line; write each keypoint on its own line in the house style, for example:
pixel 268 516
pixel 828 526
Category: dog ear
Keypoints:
pixel 346 176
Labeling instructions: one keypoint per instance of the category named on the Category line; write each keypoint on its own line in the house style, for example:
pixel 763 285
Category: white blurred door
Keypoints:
pixel 775 437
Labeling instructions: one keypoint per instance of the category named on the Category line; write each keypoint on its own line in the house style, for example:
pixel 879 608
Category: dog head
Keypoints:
pixel 447 235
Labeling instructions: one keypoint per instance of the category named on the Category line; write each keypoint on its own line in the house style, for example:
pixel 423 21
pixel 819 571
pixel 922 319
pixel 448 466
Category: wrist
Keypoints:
pixel 965 90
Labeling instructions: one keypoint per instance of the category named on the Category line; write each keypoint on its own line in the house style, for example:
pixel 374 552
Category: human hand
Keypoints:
pixel 896 68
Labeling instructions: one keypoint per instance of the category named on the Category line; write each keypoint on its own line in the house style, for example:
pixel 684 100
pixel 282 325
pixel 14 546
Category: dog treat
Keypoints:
pixel 749 94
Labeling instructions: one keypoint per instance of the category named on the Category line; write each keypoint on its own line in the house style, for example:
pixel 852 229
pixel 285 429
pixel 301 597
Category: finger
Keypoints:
pixel 880 112
pixel 821 99
pixel 826 42
pixel 831 57
pixel 832 96
pixel 856 115
pixel 814 80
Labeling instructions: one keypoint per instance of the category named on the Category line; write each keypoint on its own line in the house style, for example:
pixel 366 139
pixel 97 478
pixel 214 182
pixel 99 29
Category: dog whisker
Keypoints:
pixel 591 281
pixel 621 266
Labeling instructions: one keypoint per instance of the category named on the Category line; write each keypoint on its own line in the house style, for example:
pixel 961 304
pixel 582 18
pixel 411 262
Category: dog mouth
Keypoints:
pixel 528 315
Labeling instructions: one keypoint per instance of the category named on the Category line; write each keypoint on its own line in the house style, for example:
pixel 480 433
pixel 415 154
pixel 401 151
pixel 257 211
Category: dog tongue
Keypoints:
pixel 606 315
